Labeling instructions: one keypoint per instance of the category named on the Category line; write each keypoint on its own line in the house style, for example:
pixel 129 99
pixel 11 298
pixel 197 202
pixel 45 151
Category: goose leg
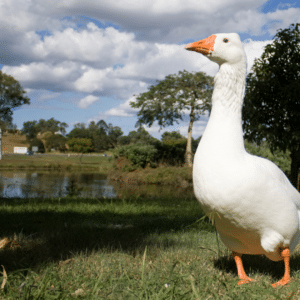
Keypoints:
pixel 240 269
pixel 285 254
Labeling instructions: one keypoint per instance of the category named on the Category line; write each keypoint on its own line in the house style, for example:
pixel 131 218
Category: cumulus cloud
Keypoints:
pixel 118 48
pixel 87 101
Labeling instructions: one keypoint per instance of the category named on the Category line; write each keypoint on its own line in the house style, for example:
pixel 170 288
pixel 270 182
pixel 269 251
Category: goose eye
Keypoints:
pixel 225 40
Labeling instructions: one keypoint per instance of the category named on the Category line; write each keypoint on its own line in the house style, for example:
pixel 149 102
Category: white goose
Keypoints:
pixel 254 207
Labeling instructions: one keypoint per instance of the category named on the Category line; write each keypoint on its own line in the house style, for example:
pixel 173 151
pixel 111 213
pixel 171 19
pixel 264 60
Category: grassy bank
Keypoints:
pixel 57 162
pixel 166 175
pixel 162 175
pixel 125 249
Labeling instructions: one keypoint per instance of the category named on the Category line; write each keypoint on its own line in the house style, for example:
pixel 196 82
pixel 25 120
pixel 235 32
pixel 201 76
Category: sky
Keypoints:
pixel 83 61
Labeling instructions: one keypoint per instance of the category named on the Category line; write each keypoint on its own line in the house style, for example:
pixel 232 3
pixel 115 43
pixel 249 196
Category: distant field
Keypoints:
pixel 47 161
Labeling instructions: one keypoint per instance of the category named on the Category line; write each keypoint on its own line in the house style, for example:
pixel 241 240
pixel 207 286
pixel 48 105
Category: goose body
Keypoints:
pixel 253 205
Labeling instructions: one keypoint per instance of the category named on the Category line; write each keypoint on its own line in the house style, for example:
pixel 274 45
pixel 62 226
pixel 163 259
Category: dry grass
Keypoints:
pixel 56 162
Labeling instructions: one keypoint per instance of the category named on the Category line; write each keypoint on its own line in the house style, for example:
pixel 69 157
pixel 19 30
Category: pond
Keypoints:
pixel 43 184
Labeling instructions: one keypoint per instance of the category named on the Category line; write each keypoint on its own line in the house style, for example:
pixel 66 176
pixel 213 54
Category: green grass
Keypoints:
pixel 56 162
pixel 125 249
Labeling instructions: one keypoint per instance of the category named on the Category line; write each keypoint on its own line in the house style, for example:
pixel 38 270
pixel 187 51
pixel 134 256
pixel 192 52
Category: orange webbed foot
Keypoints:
pixel 240 268
pixel 285 253
pixel 245 280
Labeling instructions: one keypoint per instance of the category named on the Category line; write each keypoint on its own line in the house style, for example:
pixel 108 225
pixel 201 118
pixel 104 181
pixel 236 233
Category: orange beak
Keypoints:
pixel 205 46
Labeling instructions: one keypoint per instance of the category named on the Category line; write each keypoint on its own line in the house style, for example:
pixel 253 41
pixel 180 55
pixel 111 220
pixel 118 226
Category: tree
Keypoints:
pixel 80 146
pixel 52 125
pixel 142 136
pixel 173 135
pixel 272 103
pixel 11 96
pixel 166 102
pixel 31 129
pixel 56 141
pixel 37 143
pixel 114 132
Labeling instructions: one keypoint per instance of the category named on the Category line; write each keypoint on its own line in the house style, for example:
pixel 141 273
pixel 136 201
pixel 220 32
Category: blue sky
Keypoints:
pixel 84 61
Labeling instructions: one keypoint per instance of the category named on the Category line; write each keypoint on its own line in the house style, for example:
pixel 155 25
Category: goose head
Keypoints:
pixel 220 48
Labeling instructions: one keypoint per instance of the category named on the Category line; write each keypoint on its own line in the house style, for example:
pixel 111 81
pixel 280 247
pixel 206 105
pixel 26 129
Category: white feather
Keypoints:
pixel 252 203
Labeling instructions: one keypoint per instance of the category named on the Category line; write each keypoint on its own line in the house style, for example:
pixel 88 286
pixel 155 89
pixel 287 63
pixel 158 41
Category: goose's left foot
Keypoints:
pixel 285 254
pixel 240 268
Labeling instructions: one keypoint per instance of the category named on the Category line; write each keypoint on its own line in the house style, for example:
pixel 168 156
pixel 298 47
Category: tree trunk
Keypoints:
pixel 188 151
pixel 295 164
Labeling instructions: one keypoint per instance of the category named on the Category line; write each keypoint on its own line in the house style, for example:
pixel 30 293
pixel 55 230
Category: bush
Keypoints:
pixel 80 145
pixel 37 143
pixel 172 151
pixel 139 155
pixel 56 141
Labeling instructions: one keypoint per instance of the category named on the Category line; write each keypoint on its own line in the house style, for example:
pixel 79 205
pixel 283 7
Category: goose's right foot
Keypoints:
pixel 240 269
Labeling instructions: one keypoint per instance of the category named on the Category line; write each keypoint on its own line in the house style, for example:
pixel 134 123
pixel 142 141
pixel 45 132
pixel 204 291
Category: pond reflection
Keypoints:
pixel 43 184
pixel 26 184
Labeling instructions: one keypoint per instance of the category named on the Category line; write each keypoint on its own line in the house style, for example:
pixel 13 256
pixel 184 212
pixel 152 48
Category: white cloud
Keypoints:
pixel 254 49
pixel 87 101
pixel 43 46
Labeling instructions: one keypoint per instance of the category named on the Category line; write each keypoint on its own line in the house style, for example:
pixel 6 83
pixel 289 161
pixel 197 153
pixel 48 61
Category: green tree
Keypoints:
pixel 31 129
pixel 141 136
pixel 11 96
pixel 56 141
pixel 37 143
pixel 272 104
pixel 52 125
pixel 166 102
pixel 173 135
pixel 80 145
pixel 79 131
pixel 114 132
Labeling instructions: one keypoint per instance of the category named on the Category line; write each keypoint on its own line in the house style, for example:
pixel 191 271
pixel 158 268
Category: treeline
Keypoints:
pixel 138 148
pixel 51 134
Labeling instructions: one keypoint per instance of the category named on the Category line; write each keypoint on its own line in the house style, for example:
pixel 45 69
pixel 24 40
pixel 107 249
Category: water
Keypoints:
pixel 43 184
pixel 26 184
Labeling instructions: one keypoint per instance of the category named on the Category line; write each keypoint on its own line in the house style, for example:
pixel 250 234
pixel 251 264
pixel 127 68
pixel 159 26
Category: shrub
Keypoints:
pixel 172 151
pixel 56 141
pixel 37 143
pixel 139 155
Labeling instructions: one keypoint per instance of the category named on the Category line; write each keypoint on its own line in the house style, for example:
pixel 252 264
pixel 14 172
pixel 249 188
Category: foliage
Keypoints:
pixel 124 140
pixel 103 136
pixel 167 101
pixel 57 142
pixel 171 151
pixel 80 145
pixel 79 133
pixel 142 136
pixel 52 125
pixel 140 155
pixel 11 96
pixel 37 143
pixel 31 129
pixel 174 135
pixel 280 158
pixel 272 104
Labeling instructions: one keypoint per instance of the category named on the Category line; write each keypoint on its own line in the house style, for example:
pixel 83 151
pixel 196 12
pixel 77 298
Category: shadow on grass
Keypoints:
pixel 257 264
pixel 51 230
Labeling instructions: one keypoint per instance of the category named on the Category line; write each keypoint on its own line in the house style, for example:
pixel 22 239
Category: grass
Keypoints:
pixel 56 162
pixel 162 175
pixel 132 248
